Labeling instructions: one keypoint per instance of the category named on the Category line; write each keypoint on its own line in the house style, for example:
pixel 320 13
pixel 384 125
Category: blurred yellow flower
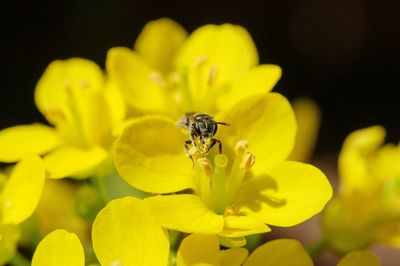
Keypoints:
pixel 366 209
pixel 308 118
pixel 82 106
pixel 19 197
pixel 209 71
pixel 233 196
pixel 205 250
pixel 199 249
pixel 59 248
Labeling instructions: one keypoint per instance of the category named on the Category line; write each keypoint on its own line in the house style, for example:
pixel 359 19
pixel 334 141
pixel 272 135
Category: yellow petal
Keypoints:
pixel 308 119
pixel 137 81
pixel 196 249
pixel 227 47
pixel 282 252
pixel 150 156
pixel 233 256
pixel 63 78
pixel 267 122
pixel 124 233
pixel 20 141
pixel 235 226
pixel 70 161
pixel 22 191
pixel 286 195
pixel 360 258
pixel 260 79
pixel 354 169
pixel 185 213
pixel 59 248
pixel 116 103
pixel 159 41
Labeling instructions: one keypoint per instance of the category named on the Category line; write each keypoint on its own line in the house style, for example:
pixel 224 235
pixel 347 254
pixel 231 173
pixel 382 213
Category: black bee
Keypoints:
pixel 201 129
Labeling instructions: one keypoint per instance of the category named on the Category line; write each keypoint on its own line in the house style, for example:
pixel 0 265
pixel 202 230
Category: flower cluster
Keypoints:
pixel 177 152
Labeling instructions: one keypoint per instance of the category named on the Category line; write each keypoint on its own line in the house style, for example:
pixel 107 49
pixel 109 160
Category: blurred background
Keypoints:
pixel 345 54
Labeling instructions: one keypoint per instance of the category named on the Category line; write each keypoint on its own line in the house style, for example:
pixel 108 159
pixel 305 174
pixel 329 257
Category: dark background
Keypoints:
pixel 342 53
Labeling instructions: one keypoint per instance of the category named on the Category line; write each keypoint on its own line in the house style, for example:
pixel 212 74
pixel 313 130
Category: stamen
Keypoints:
pixel 205 172
pixel 248 161
pixel 212 75
pixel 240 147
pixel 205 165
pixel 218 183
pixel 200 60
pixel 84 84
pixel 158 79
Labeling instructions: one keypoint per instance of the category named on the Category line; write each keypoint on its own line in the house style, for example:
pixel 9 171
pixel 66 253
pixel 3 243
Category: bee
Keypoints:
pixel 201 129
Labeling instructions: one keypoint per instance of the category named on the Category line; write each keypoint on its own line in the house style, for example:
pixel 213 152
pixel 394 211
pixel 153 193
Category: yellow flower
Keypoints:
pixel 125 233
pixel 366 209
pixel 83 108
pixel 19 197
pixel 204 250
pixel 209 71
pixel 59 248
pixel 235 193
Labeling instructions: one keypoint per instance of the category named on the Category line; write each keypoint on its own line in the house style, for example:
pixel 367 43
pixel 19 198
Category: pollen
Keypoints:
pixel 241 146
pixel 248 161
pixel 205 165
pixel 116 263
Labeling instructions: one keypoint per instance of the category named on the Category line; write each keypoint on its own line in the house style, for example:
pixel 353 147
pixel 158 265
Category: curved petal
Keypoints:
pixel 308 117
pixel 116 103
pixel 59 248
pixel 70 161
pixel 159 41
pixel 198 249
pixel 260 79
pixel 360 258
pixel 63 78
pixel 267 122
pixel 150 156
pixel 233 256
pixel 236 226
pixel 354 169
pixel 227 47
pixel 137 81
pixel 185 213
pixel 283 252
pixel 124 233
pixel 286 195
pixel 22 191
pixel 20 141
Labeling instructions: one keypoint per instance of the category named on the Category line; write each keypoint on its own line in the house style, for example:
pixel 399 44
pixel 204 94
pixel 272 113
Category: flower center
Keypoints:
pixel 219 181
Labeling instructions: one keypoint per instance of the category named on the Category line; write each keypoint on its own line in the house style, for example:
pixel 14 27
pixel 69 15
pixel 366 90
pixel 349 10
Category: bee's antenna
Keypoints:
pixel 223 123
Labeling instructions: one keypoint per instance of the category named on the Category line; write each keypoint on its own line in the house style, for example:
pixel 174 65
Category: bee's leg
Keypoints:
pixel 213 142
pixel 187 143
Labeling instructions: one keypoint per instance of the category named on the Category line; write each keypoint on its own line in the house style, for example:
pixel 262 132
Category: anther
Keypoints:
pixel 241 147
pixel 205 165
pixel 199 61
pixel 158 79
pixel 248 161
pixel 84 84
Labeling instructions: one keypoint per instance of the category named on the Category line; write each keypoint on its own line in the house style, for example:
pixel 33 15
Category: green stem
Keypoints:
pixel 19 260
pixel 318 247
